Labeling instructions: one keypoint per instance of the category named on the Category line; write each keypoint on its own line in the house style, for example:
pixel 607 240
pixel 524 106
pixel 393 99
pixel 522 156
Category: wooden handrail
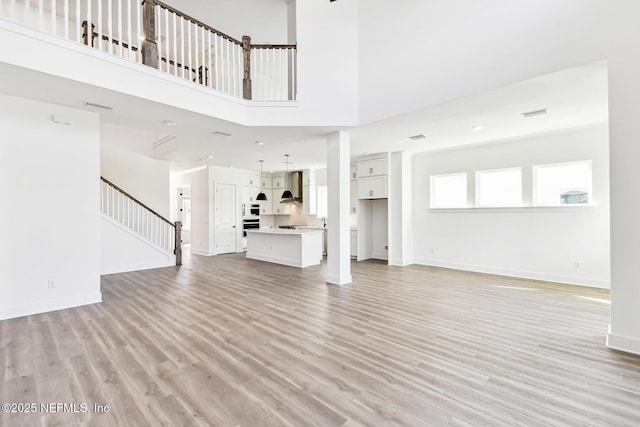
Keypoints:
pixel 195 21
pixel 137 201
pixel 273 46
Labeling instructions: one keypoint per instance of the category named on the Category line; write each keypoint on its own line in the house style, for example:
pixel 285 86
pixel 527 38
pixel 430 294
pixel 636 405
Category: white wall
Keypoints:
pixel 428 52
pixel 200 217
pixel 125 160
pixel 265 21
pixel 49 185
pixel 122 251
pixel 540 243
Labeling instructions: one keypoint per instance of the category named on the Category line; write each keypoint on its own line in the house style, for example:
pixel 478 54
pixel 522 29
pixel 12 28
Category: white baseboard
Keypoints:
pixel 338 280
pixel 570 280
pixel 400 262
pixel 380 255
pixel 170 262
pixel 622 343
pixel 200 252
pixel 49 305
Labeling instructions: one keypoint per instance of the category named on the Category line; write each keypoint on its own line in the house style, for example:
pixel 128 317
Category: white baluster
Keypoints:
pixel 78 23
pixel 139 33
pixel 216 52
pixel 40 14
pixel 175 45
pixel 54 16
pixel 120 38
pixel 234 73
pixel 203 63
pixel 166 39
pixel 110 25
pixel 99 26
pixel 195 37
pixel 182 46
pixel 189 48
pixel 129 30
pixel 66 19
pixel 158 16
pixel 210 64
pixel 89 27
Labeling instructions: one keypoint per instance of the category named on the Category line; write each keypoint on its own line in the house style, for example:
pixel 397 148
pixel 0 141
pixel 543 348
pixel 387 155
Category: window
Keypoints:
pixel 499 188
pixel 449 191
pixel 562 184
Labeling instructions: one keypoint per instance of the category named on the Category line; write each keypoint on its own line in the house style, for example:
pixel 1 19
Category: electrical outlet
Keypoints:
pixel 576 264
pixel 51 284
pixel 386 247
pixel 433 251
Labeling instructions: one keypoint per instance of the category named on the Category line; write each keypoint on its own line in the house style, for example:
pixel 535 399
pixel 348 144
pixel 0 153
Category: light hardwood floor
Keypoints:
pixel 229 341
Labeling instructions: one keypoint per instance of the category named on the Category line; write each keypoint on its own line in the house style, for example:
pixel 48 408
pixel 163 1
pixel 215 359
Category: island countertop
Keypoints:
pixel 296 248
pixel 285 231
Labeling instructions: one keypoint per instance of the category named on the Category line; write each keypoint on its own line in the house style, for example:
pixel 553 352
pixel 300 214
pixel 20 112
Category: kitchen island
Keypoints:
pixel 295 248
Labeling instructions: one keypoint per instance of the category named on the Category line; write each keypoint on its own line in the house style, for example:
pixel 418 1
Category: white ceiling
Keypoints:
pixel 575 97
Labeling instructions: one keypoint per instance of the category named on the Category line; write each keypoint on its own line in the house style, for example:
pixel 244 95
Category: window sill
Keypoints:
pixel 523 209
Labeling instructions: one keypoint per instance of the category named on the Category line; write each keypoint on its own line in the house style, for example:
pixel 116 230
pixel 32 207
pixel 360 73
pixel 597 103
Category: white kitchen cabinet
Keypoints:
pixel 281 208
pixel 266 182
pixel 353 172
pixel 249 194
pixel 353 199
pixel 251 180
pixel 354 243
pixel 309 200
pixel 308 177
pixel 279 182
pixel 372 167
pixel 266 206
pixel 375 187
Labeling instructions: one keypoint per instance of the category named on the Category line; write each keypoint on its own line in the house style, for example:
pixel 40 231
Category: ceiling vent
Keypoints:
pixel 101 107
pixel 534 113
pixel 417 137
pixel 221 133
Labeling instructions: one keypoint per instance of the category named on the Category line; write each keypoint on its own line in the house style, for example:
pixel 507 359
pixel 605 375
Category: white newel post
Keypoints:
pixel 338 182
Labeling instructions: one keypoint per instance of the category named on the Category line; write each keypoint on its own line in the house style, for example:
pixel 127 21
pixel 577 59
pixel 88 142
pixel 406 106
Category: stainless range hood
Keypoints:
pixel 295 180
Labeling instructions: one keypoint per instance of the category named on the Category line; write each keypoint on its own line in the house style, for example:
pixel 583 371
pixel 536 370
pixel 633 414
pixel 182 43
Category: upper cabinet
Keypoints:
pixel 353 172
pixel 266 182
pixel 251 180
pixel 373 167
pixel 278 181
pixel 373 180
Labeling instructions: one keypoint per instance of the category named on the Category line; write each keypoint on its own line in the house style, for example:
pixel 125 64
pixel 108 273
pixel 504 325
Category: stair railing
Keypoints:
pixel 128 211
pixel 155 34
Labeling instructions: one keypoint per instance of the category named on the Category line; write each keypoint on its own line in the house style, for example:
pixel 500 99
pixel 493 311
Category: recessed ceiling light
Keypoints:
pixel 231 166
pixel 169 123
pixel 534 113
pixel 365 153
pixel 478 127
pixel 209 157
pixel 270 171
pixel 102 107
pixel 259 143
pixel 217 132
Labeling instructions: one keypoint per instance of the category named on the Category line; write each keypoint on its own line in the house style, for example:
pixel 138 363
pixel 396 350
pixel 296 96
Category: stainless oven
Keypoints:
pixel 249 224
pixel 251 210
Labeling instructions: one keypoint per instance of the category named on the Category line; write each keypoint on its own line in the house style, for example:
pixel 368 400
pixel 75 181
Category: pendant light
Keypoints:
pixel 261 195
pixel 287 194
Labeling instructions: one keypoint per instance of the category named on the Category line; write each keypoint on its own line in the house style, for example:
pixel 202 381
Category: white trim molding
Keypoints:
pixel 622 343
pixel 556 278
pixel 49 305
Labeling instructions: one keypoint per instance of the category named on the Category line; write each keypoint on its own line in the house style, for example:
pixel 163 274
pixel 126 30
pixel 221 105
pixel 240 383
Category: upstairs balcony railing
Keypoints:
pixel 157 35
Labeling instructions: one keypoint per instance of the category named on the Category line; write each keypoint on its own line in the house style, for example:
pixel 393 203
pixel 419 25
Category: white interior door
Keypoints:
pixel 225 235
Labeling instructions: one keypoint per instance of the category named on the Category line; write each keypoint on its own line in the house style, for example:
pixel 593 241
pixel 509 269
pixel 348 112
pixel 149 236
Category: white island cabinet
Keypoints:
pixel 295 248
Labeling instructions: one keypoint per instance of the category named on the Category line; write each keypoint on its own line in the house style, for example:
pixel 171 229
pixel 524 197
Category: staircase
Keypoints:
pixel 148 230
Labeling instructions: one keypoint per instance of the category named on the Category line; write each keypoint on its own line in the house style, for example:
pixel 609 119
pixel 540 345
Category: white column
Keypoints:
pixel 339 183
pixel 624 158
pixel 400 209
